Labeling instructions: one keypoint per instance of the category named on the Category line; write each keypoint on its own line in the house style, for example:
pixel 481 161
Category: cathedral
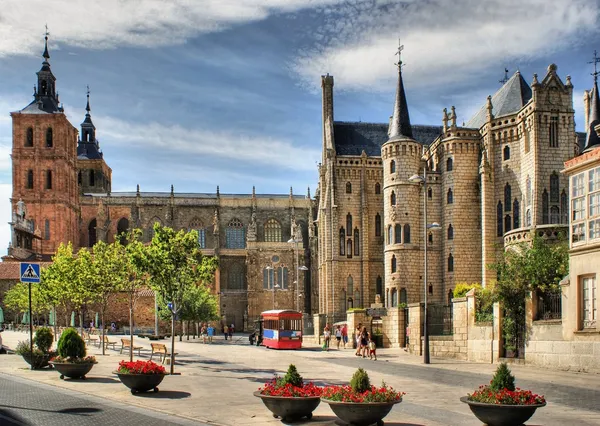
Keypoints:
pixel 387 193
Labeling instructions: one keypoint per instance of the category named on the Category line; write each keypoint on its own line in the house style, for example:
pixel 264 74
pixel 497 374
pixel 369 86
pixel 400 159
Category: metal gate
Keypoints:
pixel 439 320
pixel 406 335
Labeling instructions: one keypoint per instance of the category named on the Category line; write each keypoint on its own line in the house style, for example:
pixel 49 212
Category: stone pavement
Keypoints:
pixel 216 384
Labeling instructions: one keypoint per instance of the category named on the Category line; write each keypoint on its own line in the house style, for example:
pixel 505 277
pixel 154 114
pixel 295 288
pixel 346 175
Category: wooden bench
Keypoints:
pixel 161 350
pixel 108 343
pixel 126 343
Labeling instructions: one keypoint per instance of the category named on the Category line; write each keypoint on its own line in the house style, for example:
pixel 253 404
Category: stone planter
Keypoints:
pixel 361 414
pixel 290 408
pixel 141 382
pixel 501 415
pixel 72 370
pixel 37 361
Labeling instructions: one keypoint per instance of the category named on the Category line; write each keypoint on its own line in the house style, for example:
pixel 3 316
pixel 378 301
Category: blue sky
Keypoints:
pixel 227 92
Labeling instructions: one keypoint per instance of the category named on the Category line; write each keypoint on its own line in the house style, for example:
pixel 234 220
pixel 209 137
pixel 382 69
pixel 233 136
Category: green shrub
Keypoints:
pixel 462 289
pixel 360 381
pixel 503 379
pixel 292 377
pixel 43 339
pixel 71 345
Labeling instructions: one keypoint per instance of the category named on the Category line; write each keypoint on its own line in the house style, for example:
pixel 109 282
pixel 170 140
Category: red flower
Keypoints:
pixel 290 391
pixel 506 397
pixel 140 367
pixel 346 394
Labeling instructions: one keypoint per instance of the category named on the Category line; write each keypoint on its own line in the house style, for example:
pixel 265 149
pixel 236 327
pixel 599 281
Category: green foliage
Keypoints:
pixel 17 298
pixel 292 377
pixel 71 345
pixel 484 310
pixel 461 289
pixel 43 339
pixel 24 349
pixel 360 381
pixel 503 379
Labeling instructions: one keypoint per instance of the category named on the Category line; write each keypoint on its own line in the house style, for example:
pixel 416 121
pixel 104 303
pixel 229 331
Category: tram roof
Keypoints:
pixel 280 311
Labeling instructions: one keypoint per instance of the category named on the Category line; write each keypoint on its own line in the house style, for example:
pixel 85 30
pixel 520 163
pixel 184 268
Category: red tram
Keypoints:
pixel 282 329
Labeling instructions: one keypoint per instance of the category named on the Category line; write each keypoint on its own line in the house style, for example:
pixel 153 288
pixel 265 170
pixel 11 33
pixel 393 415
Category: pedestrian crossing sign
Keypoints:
pixel 30 272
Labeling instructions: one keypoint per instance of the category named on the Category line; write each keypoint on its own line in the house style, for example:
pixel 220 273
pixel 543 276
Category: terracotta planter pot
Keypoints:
pixel 72 370
pixel 37 361
pixel 361 414
pixel 141 382
pixel 501 415
pixel 290 408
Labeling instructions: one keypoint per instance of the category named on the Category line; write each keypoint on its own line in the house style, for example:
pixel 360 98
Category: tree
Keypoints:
pixel 17 298
pixel 174 263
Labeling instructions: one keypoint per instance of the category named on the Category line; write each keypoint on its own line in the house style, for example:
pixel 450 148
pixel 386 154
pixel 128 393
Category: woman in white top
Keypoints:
pixel 327 336
pixel 338 335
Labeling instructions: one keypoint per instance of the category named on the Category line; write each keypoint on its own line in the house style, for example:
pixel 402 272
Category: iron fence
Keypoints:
pixel 439 320
pixel 549 306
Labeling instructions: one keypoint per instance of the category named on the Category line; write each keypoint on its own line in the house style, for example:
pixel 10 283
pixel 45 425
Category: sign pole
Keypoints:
pixel 30 328
pixel 30 273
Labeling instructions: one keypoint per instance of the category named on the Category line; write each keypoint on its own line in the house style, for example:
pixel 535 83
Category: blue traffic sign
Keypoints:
pixel 30 272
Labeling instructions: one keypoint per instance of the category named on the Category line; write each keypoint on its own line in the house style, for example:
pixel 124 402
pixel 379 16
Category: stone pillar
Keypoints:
pixel 415 325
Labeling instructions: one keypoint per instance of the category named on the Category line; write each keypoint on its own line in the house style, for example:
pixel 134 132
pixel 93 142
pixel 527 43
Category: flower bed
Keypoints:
pixel 140 367
pixel 374 394
pixel 87 360
pixel 488 395
pixel 274 388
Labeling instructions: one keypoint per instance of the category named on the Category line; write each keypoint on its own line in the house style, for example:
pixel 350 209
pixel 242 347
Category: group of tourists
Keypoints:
pixel 364 340
pixel 207 332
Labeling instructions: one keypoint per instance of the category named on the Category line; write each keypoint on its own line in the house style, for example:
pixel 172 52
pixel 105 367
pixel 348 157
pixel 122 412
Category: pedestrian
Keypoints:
pixel 113 326
pixel 345 334
pixel 372 348
pixel 210 331
pixel 327 336
pixel 364 342
pixel 91 325
pixel 231 330
pixel 2 350
pixel 204 333
pixel 357 334
pixel 226 331
pixel 338 336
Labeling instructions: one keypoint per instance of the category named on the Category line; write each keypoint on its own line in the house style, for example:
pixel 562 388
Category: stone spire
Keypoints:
pixel 400 127
pixel 592 140
pixel 88 130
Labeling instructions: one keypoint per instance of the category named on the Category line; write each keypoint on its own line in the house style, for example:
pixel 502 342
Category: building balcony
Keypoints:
pixel 550 232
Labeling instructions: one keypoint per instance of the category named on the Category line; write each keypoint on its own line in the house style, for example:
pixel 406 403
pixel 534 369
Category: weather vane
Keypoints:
pixel 46 33
pixel 505 79
pixel 399 53
pixel 596 61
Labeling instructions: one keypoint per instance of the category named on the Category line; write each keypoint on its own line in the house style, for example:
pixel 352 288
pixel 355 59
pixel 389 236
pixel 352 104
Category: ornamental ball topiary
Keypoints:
pixel 43 339
pixel 360 381
pixel 292 377
pixel 71 345
pixel 503 379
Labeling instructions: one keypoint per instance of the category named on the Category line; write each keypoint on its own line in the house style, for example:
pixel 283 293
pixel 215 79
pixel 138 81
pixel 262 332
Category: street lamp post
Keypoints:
pixel 423 180
pixel 297 274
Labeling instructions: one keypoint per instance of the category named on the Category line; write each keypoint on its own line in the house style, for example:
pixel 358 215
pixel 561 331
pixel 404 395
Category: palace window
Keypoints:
pixel 406 233
pixel 429 193
pixel 393 198
pixel 450 197
pixel 554 187
pixel 392 166
pixel 379 289
pixel 195 224
pixel 594 229
pixel 499 213
pixel 48 179
pixel 506 153
pixel 528 191
pixel 268 278
pixel 349 247
pixel 449 165
pixel 589 302
pixel 450 232
pixel 450 263
pixel 377 188
pixel 394 297
pixel 47 229
pixel 342 241
pixel 390 236
pixel 235 277
pixel 272 231
pixel 29 137
pixel 507 197
pixel 350 286
pixel 507 223
pixel 29 179
pixel 92 178
pixel 554 132
pixel 528 217
pixel 235 235
pixel 403 296
pixel 516 215
pixel 564 208
pixel 545 207
pixel 377 225
pixel 554 214
pixel 282 277
pixel 393 264
pixel 49 141
pixel 348 188
pixel 578 232
pixel 356 242
pixel 398 234
pixel 349 224
pixel 430 237
pixel 92 233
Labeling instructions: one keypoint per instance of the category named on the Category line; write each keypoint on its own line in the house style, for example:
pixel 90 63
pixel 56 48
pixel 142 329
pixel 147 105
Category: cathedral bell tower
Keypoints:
pixel 43 158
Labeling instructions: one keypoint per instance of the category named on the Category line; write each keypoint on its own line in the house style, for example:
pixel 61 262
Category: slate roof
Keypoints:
pixel 88 151
pixel 592 140
pixel 48 105
pixel 191 195
pixel 509 99
pixel 400 127
pixel 352 138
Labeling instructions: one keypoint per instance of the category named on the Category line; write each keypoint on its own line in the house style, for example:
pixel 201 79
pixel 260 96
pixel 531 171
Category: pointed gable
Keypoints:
pixel 592 140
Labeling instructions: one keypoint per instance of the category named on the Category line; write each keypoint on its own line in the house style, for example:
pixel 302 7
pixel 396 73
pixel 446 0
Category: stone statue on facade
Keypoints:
pixel 216 222
pixel 251 235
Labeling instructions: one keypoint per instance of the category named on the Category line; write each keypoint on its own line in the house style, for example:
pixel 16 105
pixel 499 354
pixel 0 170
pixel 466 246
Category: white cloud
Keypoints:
pixel 102 24
pixel 445 41
pixel 5 216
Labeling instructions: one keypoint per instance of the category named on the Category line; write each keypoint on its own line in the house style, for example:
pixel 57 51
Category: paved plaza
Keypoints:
pixel 215 384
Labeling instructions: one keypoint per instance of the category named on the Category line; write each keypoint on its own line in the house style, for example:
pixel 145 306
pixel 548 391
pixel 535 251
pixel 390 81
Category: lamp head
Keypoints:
pixel 416 179
pixel 434 225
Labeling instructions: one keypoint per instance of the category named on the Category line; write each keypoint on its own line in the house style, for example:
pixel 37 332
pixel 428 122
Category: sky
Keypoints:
pixel 200 93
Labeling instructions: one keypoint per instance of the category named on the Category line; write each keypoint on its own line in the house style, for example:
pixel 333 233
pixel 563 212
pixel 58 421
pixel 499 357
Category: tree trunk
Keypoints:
pixel 187 330
pixel 81 321
pixel 131 326
pixel 172 339
pixel 181 331
pixel 55 325
pixel 102 319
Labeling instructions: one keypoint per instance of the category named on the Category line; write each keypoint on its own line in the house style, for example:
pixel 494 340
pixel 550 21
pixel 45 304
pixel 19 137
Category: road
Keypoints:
pixel 27 403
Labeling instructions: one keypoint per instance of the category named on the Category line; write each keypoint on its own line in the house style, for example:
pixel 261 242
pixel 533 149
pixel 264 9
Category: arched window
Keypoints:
pixel 235 277
pixel 282 277
pixel 403 296
pixel 48 179
pixel 450 197
pixel 235 235
pixel 379 289
pixel 198 225
pixel 545 207
pixel 122 228
pixel 92 177
pixel 272 231
pixel 406 233
pixel 528 191
pixel 47 230
pixel 554 214
pixel 349 224
pixel 92 233
pixel 377 225
pixel 390 236
pixel 79 179
pixel 393 264
pixel 398 234
pixel 268 278
pixel 429 193
pixel 356 242
pixel 377 188
pixel 342 241
pixel 393 198
pixel 350 286
pixel 29 137
pixel 449 164
pixel 29 179
pixel 348 188
pixel 392 166
pixel 564 207
pixel 553 132
pixel 49 141
pixel 528 217
pixel 516 214
pixel 430 237
pixel 554 188
pixel 450 232
pixel 506 153
pixel 450 263
pixel 507 223
pixel 349 247
pixel 507 197
pixel 499 230
pixel 394 297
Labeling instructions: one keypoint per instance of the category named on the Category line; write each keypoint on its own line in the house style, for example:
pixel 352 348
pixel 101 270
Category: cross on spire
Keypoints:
pixel 596 61
pixel 505 79
pixel 87 107
pixel 46 55
pixel 399 53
